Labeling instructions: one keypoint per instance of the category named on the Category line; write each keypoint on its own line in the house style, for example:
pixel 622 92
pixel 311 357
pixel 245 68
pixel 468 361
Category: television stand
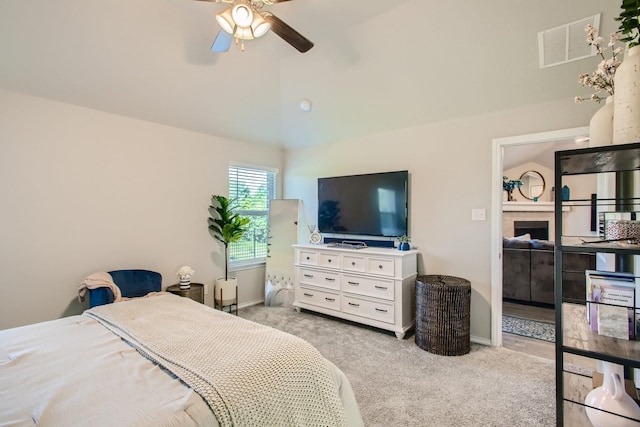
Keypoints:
pixel 348 245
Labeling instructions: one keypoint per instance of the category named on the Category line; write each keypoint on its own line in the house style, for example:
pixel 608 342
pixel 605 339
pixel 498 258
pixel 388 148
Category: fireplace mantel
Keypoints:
pixel 530 207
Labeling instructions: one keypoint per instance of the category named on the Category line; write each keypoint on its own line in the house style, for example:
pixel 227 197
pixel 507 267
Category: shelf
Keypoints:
pixel 612 158
pixel 574 337
pixel 577 338
pixel 576 244
pixel 530 207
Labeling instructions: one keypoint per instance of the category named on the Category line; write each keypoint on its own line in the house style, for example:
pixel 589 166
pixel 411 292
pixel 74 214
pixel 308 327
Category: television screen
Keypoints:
pixel 372 204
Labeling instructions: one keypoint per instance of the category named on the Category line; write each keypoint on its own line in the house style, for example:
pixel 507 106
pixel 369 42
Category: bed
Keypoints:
pixel 165 360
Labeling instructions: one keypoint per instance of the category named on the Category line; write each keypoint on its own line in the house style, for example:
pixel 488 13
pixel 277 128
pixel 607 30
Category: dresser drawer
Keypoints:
pixel 308 258
pixel 375 310
pixel 317 297
pixel 377 288
pixel 381 266
pixel 325 279
pixel 329 260
pixel 354 263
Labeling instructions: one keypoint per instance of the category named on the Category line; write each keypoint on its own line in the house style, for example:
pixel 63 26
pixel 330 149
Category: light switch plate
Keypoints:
pixel 478 214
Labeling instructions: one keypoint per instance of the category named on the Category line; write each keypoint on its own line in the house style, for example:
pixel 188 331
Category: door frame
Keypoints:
pixel 499 144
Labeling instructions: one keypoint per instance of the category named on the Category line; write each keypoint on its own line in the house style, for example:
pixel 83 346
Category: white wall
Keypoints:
pixel 85 191
pixel 450 167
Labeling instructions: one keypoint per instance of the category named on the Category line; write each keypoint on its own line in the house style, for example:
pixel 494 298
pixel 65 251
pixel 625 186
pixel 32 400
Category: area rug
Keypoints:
pixel 396 383
pixel 529 328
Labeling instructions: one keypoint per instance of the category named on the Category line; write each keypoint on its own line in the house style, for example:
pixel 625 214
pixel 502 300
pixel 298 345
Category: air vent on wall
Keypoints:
pixel 566 43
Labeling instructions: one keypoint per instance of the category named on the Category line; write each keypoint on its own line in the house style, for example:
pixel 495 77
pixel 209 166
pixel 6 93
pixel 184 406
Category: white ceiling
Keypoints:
pixel 377 65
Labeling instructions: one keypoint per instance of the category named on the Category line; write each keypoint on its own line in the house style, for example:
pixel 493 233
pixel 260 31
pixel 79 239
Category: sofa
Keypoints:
pixel 528 272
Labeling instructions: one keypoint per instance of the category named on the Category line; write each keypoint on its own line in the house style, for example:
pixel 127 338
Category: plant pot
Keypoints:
pixel 403 246
pixel 225 292
pixel 626 118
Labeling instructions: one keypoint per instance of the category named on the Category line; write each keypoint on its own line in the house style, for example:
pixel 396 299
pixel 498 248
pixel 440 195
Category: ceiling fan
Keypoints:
pixel 245 20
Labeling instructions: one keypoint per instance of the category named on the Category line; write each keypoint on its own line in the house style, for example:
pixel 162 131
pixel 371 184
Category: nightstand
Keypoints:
pixel 195 292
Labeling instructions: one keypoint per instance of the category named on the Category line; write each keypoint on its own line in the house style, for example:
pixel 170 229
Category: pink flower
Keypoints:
pixel 602 78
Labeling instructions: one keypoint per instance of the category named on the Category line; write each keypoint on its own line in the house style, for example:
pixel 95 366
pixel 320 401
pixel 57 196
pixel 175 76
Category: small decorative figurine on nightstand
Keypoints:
pixel 184 274
pixel 403 243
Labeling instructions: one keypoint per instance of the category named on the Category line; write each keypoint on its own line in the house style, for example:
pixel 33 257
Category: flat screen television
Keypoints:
pixel 373 204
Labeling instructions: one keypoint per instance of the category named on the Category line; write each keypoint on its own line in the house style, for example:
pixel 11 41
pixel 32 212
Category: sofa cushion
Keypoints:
pixel 544 245
pixel 515 243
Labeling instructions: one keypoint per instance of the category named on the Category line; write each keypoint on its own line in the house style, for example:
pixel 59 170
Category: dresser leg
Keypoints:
pixel 400 335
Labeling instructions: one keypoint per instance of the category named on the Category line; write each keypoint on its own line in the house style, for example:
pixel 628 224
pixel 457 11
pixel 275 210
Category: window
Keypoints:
pixel 251 189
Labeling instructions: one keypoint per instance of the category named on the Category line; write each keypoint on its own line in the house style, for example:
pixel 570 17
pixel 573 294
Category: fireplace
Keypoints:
pixel 537 229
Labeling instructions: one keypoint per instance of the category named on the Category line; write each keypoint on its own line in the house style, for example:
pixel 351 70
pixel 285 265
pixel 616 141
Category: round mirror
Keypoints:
pixel 532 185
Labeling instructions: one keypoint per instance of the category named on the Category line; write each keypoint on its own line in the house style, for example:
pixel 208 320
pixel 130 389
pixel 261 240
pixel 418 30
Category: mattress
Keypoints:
pixel 75 371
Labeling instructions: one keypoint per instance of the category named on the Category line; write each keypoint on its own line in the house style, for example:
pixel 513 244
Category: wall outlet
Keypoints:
pixel 478 214
pixel 206 289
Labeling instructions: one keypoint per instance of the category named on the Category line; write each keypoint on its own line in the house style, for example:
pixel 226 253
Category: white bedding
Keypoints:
pixel 74 371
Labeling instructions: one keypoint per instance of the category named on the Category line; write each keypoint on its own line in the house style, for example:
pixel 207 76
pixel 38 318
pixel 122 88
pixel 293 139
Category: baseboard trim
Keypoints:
pixel 480 340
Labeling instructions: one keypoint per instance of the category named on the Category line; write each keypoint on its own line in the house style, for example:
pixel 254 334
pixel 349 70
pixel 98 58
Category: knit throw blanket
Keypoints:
pixel 249 374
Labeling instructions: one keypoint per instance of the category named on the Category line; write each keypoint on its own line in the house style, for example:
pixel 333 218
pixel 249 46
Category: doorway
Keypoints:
pixel 563 136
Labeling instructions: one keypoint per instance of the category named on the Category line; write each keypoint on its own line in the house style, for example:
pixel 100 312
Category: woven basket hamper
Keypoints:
pixel 443 321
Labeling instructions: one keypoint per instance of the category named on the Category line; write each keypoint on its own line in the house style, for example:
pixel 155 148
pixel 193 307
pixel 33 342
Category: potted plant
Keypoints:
pixel 227 227
pixel 629 22
pixel 403 243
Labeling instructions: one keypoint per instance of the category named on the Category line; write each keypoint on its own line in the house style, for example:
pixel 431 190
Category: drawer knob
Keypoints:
pixel 381 310
pixel 330 299
pixel 354 283
pixel 380 266
pixel 308 258
pixel 329 259
pixel 329 279
pixel 354 304
pixel 353 263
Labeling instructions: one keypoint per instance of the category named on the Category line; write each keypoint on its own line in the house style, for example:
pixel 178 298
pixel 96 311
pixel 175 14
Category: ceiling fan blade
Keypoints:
pixel 287 33
pixel 222 42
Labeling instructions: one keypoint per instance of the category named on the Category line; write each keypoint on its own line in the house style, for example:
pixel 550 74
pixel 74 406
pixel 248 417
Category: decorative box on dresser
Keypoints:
pixel 372 286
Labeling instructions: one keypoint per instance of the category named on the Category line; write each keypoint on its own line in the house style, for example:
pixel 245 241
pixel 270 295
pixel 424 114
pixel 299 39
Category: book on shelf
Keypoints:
pixel 612 303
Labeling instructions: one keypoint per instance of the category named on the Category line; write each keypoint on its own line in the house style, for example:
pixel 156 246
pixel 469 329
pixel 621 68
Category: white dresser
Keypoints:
pixel 372 286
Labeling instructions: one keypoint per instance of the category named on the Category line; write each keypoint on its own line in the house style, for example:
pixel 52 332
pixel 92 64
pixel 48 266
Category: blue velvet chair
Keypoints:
pixel 132 284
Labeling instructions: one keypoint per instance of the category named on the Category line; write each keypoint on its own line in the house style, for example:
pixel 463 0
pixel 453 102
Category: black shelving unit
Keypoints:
pixel 573 335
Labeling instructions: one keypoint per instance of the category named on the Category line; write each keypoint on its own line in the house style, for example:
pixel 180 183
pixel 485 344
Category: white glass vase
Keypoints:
pixel 612 397
pixel 626 107
pixel 601 125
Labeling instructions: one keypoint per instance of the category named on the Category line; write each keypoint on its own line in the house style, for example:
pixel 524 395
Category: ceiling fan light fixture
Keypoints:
pixel 225 20
pixel 242 15
pixel 259 26
pixel 243 33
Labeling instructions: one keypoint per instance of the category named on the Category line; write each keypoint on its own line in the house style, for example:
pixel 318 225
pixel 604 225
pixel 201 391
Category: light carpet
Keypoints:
pixel 398 384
